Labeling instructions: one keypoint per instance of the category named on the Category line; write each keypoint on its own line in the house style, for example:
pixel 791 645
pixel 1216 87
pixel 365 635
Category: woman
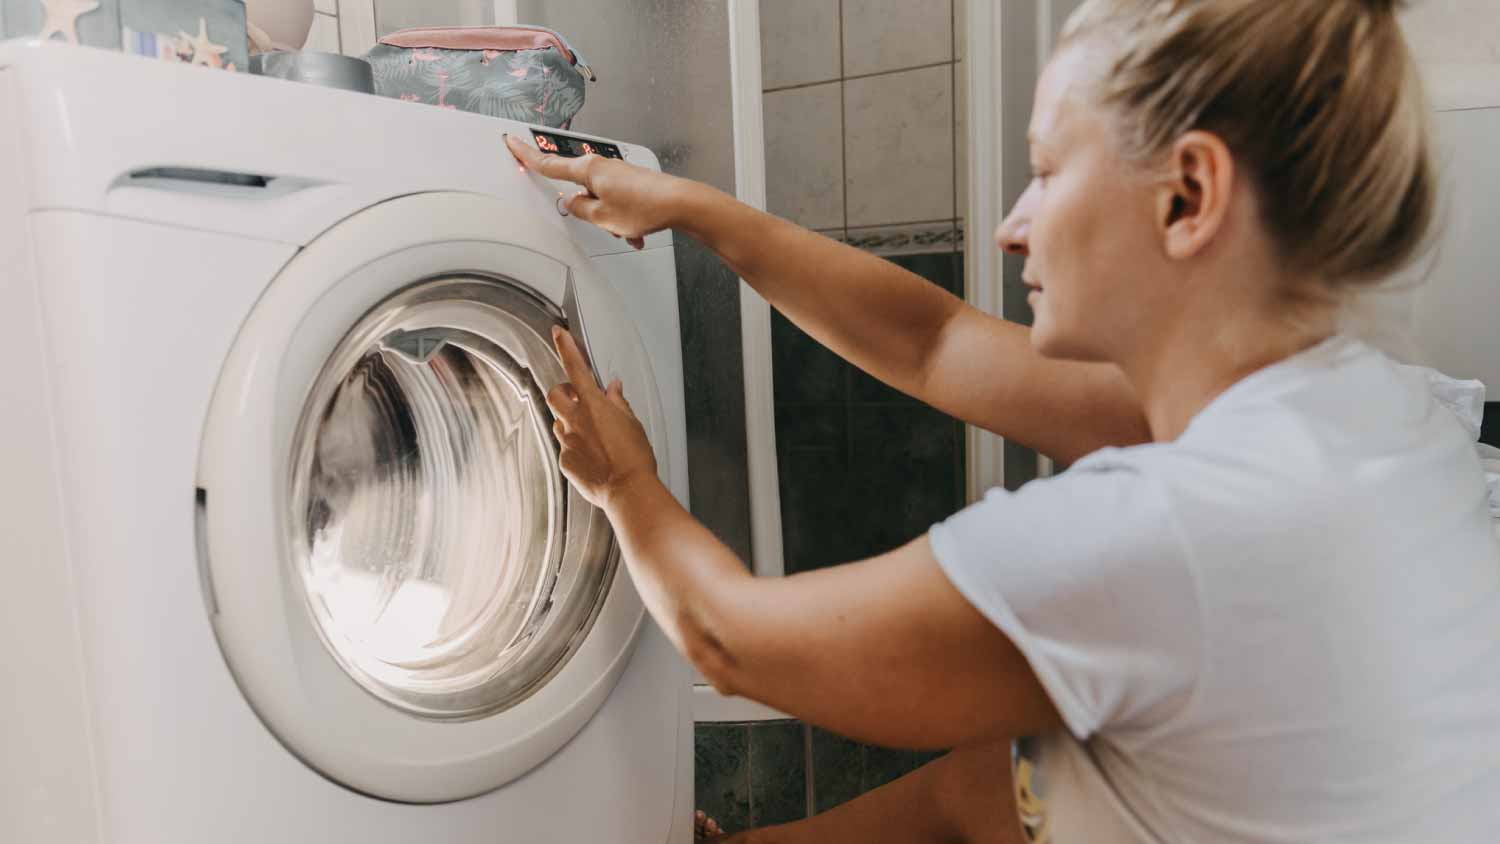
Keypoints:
pixel 1264 603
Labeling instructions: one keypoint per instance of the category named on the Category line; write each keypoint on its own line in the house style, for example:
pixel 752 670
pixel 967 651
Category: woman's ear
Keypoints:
pixel 1193 200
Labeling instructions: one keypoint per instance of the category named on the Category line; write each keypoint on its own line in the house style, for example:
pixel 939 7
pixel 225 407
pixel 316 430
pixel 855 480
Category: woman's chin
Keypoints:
pixel 1050 342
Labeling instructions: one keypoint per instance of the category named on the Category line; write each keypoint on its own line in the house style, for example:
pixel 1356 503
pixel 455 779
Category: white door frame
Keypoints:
pixel 1005 51
pixel 755 339
pixel 983 267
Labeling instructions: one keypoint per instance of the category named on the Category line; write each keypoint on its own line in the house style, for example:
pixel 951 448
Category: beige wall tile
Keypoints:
pixel 805 156
pixel 1455 31
pixel 324 36
pixel 960 26
pixel 799 42
pixel 961 139
pixel 898 147
pixel 357 26
pixel 882 35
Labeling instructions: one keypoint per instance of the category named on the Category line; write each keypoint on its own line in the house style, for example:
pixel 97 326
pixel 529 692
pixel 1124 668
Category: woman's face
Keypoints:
pixel 1085 225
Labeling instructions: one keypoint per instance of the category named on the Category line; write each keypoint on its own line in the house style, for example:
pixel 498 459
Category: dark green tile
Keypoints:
pixel 721 776
pixel 816 521
pixel 778 773
pixel 838 769
pixel 823 426
pixel 925 756
pixel 884 764
pixel 814 478
pixel 714 384
pixel 906 473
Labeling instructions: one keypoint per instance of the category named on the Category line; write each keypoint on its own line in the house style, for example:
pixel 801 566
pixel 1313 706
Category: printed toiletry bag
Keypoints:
pixel 524 73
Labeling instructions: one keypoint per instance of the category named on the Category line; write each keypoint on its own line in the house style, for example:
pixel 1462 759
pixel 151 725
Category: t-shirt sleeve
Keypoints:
pixel 1086 575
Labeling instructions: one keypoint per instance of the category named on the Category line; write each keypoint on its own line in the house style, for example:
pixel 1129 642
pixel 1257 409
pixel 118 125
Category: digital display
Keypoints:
pixel 574 147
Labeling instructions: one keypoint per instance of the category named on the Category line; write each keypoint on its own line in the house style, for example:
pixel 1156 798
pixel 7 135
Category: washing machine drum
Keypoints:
pixel 405 587
pixel 431 526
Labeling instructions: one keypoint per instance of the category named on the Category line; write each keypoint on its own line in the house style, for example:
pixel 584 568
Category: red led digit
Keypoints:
pixel 588 149
pixel 546 143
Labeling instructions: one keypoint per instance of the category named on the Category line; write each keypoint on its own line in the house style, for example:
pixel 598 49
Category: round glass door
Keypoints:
pixel 446 563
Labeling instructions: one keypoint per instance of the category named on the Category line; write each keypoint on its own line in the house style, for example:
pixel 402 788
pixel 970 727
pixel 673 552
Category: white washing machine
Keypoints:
pixel 288 556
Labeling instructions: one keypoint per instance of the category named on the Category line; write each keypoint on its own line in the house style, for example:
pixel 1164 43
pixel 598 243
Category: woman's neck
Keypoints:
pixel 1189 363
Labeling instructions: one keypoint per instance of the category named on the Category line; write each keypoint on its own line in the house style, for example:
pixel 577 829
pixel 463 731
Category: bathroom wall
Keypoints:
pixel 324 36
pixel 863 103
pixel 1455 31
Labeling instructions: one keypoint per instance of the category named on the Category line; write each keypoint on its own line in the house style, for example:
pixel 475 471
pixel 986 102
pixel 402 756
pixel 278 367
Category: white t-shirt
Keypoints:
pixel 1282 627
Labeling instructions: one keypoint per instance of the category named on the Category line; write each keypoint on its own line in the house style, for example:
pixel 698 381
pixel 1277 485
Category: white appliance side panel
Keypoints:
pixel 139 319
pixel 47 788
pixel 647 282
pixel 1457 310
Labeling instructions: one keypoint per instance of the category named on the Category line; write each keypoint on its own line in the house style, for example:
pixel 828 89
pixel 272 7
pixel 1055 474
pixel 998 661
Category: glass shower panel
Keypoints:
pixel 664 81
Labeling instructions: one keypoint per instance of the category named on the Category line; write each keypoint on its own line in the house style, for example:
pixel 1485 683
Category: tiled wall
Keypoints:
pixel 1455 31
pixel 324 36
pixel 756 775
pixel 863 105
pixel 863 113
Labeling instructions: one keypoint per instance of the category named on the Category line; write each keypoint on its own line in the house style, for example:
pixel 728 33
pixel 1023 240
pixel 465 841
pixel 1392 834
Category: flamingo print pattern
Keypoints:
pixel 534 86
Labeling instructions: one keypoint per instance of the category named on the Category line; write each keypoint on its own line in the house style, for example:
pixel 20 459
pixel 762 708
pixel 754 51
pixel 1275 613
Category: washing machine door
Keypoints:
pixel 406 589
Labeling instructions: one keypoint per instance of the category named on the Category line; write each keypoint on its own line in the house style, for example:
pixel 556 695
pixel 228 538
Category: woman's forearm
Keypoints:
pixel 682 571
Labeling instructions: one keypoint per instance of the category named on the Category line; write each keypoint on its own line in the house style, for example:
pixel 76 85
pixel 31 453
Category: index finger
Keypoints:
pixel 573 170
pixel 573 363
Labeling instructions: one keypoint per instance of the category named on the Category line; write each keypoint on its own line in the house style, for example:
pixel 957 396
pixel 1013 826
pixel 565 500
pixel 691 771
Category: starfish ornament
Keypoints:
pixel 205 52
pixel 62 18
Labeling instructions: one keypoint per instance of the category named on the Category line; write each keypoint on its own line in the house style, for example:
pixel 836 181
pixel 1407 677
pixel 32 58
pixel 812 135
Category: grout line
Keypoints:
pixel 953 101
pixel 872 226
pixel 843 127
pixel 848 377
pixel 799 85
pixel 807 767
pixel 927 66
pixel 749 778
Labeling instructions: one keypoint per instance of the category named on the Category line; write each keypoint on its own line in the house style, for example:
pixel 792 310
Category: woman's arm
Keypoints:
pixel 917 337
pixel 885 651
pixel 909 333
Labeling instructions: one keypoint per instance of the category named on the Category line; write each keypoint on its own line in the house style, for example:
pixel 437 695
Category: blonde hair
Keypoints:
pixel 1319 100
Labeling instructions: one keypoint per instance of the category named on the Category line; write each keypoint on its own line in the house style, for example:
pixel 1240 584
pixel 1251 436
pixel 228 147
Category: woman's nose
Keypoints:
pixel 1014 233
pixel 1011 236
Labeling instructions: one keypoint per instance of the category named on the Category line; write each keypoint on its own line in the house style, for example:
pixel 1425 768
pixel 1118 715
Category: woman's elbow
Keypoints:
pixel 711 656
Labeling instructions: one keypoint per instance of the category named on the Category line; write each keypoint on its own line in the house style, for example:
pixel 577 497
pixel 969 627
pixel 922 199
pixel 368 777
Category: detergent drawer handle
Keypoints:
pixel 200 176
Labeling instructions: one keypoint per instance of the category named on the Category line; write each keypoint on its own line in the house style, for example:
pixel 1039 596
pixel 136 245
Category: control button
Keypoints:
pixel 562 205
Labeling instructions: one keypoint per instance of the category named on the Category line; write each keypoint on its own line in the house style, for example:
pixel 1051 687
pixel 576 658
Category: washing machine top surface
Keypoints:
pixel 261 158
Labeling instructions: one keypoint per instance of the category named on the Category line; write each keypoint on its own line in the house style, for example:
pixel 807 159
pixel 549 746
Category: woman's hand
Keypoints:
pixel 623 199
pixel 604 446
